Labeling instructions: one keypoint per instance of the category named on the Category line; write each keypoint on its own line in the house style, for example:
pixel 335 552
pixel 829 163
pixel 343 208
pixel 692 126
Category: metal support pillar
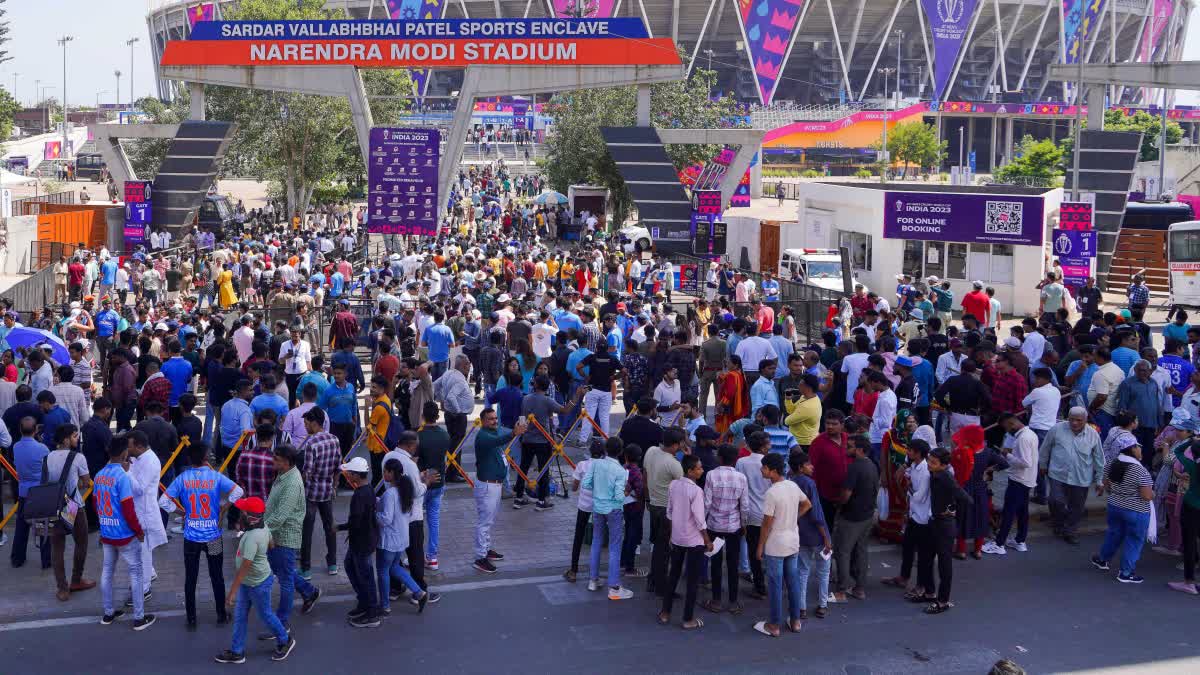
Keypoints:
pixel 643 105
pixel 196 93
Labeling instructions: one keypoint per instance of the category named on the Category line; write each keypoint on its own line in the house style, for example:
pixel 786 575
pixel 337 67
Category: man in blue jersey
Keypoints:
pixel 199 490
pixel 119 527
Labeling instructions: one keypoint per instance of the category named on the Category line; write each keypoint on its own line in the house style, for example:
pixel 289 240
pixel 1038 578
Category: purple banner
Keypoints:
pixel 138 202
pixel 417 10
pixel 768 26
pixel 948 21
pixel 1079 18
pixel 968 218
pixel 403 179
pixel 584 9
pixel 519 110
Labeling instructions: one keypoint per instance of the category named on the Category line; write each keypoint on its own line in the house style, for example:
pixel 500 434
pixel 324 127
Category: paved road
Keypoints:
pixel 1048 610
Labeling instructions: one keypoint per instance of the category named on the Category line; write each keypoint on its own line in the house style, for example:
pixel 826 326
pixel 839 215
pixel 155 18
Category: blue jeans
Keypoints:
pixel 809 561
pixel 387 563
pixel 1104 421
pixel 131 553
pixel 283 565
pixel 1016 507
pixel 433 514
pixel 612 523
pixel 876 451
pixel 1039 490
pixel 780 570
pixel 209 420
pixel 260 597
pixel 1126 529
pixel 362 580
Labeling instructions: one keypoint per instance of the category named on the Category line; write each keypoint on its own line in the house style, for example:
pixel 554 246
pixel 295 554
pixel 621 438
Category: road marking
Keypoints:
pixel 172 613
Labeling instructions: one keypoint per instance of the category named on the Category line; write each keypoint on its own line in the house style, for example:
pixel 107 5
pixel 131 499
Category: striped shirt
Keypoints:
pixel 782 440
pixel 726 499
pixel 1127 493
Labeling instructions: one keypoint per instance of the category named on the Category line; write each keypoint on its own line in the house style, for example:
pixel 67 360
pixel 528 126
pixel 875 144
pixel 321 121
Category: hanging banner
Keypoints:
pixel 519 110
pixel 1079 18
pixel 584 9
pixel 948 21
pixel 204 12
pixel 403 179
pixel 1163 10
pixel 138 201
pixel 52 150
pixel 417 10
pixel 968 218
pixel 768 27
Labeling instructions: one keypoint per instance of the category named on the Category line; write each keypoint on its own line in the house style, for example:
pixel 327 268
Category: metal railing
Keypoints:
pixel 45 253
pixel 31 206
pixel 33 293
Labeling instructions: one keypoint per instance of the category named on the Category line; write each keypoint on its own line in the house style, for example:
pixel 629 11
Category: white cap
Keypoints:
pixel 1012 343
pixel 504 297
pixel 75 304
pixel 977 284
pixel 357 465
pixel 932 279
pixel 160 326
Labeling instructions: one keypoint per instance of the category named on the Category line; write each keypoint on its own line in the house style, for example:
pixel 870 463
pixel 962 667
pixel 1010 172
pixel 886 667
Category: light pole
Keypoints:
pixel 709 53
pixel 66 144
pixel 98 95
pixel 961 146
pixel 132 99
pixel 14 91
pixel 118 74
pixel 886 72
pixel 899 36
pixel 37 92
pixel 41 99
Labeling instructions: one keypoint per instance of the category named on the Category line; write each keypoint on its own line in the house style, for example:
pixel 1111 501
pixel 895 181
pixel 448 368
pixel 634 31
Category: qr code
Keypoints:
pixel 1003 218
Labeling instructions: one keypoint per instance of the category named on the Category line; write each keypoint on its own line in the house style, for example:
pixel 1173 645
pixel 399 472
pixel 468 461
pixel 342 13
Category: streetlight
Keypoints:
pixel 886 72
pixel 961 146
pixel 118 74
pixel 63 41
pixel 709 53
pixel 14 91
pixel 41 99
pixel 129 43
pixel 36 92
pixel 899 36
pixel 98 94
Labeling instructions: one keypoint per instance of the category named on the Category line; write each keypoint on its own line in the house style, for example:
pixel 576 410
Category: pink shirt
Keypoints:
pixel 685 509
pixel 766 320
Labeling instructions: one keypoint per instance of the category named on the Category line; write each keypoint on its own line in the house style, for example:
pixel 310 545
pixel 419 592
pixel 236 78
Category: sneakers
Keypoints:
pixel 543 506
pixel 230 657
pixel 145 598
pixel 355 614
pixel 365 621
pixel 333 570
pixel 1183 587
pixel 492 555
pixel 395 593
pixel 1019 546
pixel 1129 578
pixel 305 574
pixel 268 635
pixel 594 585
pixel 1163 550
pixel 484 565
pixel 310 601
pixel 431 598
pixel 3 538
pixel 177 529
pixel 144 622
pixel 994 549
pixel 431 565
pixel 619 593
pixel 281 653
pixel 1099 564
pixel 107 619
pixel 518 502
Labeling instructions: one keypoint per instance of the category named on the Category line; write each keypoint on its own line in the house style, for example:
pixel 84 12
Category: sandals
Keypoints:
pixel 664 619
pixel 569 575
pixel 761 627
pixel 915 598
pixel 712 606
pixel 699 623
pixel 895 582
pixel 735 608
pixel 794 626
pixel 938 608
pixel 821 612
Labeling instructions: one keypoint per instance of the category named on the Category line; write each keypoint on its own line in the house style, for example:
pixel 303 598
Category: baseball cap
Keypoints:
pixel 252 505
pixel 916 314
pixel 904 361
pixel 160 326
pixel 1012 343
pixel 977 284
pixel 357 465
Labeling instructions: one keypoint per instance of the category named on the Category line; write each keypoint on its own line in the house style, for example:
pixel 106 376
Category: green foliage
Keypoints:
pixel 863 173
pixel 1036 159
pixel 576 153
pixel 811 173
pixel 1149 125
pixel 915 144
pixel 9 107
pixel 3 37
pixel 327 193
pixel 299 141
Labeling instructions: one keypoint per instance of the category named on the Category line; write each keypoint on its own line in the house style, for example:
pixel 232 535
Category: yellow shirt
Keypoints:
pixel 804 419
pixel 552 266
pixel 381 418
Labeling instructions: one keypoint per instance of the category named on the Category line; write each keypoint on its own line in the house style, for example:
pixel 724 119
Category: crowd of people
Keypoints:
pixel 300 364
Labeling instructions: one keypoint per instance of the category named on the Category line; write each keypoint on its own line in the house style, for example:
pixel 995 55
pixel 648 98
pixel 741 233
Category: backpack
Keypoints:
pixel 46 504
pixel 395 427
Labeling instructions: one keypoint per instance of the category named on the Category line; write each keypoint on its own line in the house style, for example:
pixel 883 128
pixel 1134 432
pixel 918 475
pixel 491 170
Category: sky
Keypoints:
pixel 100 32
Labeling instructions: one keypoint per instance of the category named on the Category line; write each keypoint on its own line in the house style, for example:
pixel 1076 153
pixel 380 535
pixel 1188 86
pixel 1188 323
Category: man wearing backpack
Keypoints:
pixel 68 465
pixel 381 422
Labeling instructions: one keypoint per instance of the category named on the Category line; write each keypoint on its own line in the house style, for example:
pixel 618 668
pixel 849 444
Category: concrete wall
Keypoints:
pixel 1182 174
pixel 22 232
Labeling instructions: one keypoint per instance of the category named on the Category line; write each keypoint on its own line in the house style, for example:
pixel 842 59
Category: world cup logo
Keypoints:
pixel 950 11
pixel 1062 245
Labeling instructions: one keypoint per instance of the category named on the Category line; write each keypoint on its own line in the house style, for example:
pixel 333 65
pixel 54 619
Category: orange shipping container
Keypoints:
pixel 72 224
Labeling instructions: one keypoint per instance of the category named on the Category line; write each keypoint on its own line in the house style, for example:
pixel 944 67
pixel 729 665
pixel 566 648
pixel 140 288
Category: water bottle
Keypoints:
pixel 553 488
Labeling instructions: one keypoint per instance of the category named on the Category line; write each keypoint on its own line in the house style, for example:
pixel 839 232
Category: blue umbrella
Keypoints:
pixel 25 337
pixel 551 197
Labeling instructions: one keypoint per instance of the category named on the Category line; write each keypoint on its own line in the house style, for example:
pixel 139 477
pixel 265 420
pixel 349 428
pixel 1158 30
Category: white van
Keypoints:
pixel 814 266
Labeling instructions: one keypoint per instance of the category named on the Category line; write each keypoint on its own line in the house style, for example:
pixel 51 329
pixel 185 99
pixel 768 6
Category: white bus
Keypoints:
pixel 1183 262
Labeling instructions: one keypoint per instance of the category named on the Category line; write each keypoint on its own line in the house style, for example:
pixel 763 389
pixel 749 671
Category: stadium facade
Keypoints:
pixel 825 52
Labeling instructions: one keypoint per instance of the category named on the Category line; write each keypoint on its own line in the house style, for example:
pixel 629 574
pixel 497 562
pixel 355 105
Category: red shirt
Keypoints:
pixel 1008 390
pixel 75 273
pixel 977 303
pixel 387 366
pixel 830 461
pixel 860 304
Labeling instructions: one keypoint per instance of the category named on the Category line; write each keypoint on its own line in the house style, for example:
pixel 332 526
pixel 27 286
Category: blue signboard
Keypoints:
pixel 1074 244
pixel 386 29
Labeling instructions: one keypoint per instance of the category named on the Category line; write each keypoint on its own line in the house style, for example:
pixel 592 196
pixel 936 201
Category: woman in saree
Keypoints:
pixel 893 474
pixel 225 294
pixel 733 396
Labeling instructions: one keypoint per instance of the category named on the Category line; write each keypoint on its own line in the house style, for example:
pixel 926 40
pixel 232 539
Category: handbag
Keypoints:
pixel 47 504
pixel 881 503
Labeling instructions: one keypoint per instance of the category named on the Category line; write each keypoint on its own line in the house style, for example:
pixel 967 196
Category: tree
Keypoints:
pixel 576 152
pixel 9 107
pixel 1149 125
pixel 299 141
pixel 4 36
pixel 146 155
pixel 1034 159
pixel 915 144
